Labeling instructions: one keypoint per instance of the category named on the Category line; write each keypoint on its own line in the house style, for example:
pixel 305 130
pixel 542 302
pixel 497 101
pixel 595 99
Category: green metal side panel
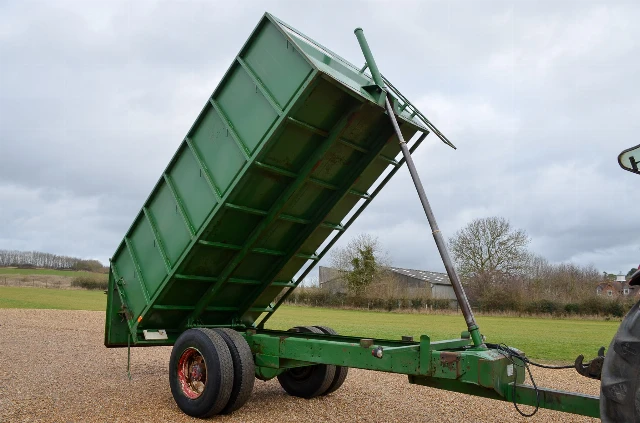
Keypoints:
pixel 286 146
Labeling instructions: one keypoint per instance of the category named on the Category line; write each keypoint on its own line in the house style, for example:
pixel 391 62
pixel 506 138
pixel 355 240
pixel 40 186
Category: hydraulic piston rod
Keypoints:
pixel 472 326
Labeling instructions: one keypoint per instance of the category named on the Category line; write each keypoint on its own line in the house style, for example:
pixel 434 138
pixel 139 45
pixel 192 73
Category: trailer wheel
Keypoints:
pixel 307 381
pixel 200 372
pixel 244 369
pixel 620 386
pixel 341 371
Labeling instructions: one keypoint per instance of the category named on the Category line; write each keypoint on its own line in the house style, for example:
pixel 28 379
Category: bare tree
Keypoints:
pixel 362 261
pixel 310 282
pixel 387 285
pixel 13 258
pixel 560 281
pixel 489 248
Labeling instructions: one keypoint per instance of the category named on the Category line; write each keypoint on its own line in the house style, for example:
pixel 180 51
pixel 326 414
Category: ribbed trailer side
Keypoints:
pixel 283 150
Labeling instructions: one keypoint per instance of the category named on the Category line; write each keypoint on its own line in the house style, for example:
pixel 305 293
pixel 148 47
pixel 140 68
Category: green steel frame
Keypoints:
pixel 331 243
pixel 453 365
pixel 154 286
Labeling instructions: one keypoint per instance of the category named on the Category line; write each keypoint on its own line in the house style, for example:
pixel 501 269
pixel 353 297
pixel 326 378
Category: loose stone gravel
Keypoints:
pixel 55 368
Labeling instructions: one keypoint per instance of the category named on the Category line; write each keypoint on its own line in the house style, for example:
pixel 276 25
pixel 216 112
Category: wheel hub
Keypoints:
pixel 301 373
pixel 198 372
pixel 192 373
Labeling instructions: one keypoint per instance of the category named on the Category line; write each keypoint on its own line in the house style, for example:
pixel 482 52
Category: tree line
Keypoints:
pixel 496 267
pixel 500 272
pixel 37 259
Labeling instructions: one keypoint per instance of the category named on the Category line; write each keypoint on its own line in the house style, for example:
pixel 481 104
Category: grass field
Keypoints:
pixel 14 271
pixel 60 299
pixel 543 339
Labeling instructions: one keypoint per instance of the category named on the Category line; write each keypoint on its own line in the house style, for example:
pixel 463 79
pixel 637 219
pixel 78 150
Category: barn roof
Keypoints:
pixel 435 278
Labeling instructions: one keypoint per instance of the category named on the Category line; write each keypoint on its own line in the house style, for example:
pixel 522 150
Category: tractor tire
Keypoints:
pixel 244 369
pixel 307 381
pixel 341 371
pixel 201 373
pixel 620 381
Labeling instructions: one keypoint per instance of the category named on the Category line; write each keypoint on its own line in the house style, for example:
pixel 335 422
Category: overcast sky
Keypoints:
pixel 539 97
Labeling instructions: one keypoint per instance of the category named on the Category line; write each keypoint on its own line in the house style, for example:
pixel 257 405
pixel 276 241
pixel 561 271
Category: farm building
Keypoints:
pixel 618 288
pixel 416 282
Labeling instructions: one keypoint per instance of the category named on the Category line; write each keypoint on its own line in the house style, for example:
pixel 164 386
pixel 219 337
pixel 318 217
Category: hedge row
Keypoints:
pixel 595 306
pixel 320 298
pixel 588 307
pixel 86 282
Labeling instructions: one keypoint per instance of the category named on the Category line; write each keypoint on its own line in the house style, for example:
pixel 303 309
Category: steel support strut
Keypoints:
pixel 474 330
pixel 368 57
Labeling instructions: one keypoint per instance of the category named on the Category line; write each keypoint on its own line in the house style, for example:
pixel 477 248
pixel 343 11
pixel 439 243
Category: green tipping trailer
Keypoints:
pixel 288 144
pixel 293 144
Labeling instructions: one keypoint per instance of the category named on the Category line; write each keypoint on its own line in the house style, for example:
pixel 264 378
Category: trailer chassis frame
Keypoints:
pixel 453 365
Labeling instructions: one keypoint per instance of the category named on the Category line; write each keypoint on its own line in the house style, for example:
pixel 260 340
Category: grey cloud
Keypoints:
pixel 540 97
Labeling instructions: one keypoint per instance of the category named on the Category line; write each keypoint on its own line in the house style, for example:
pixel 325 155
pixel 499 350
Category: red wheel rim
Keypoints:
pixel 192 373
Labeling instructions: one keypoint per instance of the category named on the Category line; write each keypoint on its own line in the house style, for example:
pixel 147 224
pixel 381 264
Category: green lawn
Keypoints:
pixel 13 271
pixel 61 299
pixel 543 339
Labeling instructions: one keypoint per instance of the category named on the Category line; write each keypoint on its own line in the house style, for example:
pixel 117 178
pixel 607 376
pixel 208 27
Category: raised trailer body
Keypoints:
pixel 293 144
pixel 288 144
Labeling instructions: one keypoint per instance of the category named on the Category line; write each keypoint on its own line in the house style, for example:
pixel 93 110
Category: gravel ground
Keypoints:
pixel 54 368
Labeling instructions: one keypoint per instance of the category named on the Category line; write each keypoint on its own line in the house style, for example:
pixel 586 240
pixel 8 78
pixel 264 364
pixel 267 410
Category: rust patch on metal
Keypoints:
pixel 276 177
pixel 551 397
pixel 366 343
pixel 448 358
pixel 451 361
pixel 316 166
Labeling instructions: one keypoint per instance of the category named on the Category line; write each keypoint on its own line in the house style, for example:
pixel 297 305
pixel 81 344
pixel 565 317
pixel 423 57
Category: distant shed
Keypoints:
pixel 416 282
pixel 436 284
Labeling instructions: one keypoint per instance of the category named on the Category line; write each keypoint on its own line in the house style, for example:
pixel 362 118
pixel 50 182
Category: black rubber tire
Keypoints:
pixel 244 369
pixel 341 371
pixel 620 384
pixel 308 381
pixel 219 367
